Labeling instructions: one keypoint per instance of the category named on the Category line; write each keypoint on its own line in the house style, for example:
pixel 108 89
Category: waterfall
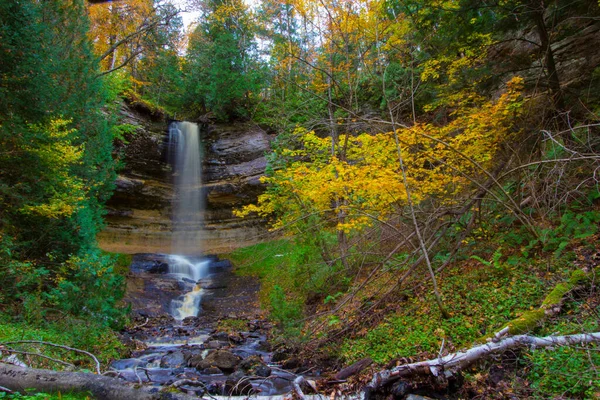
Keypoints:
pixel 185 155
pixel 184 142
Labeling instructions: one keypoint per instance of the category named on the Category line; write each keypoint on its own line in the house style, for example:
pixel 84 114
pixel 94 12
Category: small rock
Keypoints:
pixel 251 362
pixel 280 355
pixel 222 336
pixel 190 321
pixel 235 338
pixel 214 387
pixel 221 264
pixel 265 346
pixel 214 344
pixel 237 384
pixel 263 371
pixel 194 361
pixel 291 363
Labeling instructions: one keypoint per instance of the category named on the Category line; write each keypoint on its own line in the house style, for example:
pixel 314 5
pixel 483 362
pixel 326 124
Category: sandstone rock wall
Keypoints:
pixel 139 213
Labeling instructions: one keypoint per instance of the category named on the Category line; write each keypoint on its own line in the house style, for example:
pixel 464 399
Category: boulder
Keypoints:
pixel 222 359
pixel 263 371
pixel 291 363
pixel 173 359
pixel 191 352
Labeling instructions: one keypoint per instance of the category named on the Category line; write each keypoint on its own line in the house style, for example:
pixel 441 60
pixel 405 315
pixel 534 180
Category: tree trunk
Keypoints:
pixel 553 78
pixel 444 367
pixel 19 379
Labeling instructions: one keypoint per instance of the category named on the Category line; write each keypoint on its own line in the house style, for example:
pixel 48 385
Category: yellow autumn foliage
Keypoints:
pixel 362 182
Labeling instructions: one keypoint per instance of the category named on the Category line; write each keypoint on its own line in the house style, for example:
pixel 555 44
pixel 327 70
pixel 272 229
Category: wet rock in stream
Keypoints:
pixel 222 359
pixel 175 359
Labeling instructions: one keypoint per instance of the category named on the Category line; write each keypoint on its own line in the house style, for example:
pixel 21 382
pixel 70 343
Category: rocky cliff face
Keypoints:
pixel 139 213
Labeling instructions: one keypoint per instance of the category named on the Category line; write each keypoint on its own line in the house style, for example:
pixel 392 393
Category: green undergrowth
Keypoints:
pixel 479 298
pixel 95 338
pixel 570 371
pixel 288 272
pixel 509 279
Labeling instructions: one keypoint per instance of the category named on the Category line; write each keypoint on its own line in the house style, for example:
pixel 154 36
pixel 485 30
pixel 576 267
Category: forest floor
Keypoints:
pixel 482 292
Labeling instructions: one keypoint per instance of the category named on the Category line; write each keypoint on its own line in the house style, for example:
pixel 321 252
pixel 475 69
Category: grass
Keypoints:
pixel 289 272
pixel 282 263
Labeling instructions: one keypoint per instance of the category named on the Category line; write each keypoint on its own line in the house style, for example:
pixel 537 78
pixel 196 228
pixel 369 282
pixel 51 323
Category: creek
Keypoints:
pixel 196 353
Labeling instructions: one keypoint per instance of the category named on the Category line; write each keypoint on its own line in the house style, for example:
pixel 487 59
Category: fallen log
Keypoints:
pixel 18 379
pixel 353 369
pixel 444 367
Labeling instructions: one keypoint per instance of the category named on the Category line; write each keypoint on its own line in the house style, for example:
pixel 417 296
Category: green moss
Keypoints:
pixel 557 294
pixel 577 277
pixel 526 322
pixel 478 300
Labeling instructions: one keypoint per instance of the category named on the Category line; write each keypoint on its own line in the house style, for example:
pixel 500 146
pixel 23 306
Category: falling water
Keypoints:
pixel 186 157
pixel 184 142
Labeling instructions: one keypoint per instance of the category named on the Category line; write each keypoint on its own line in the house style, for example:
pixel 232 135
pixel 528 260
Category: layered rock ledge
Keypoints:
pixel 139 212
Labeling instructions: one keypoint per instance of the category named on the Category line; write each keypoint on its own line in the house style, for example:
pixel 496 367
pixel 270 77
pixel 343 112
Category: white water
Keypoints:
pixel 184 268
pixel 186 157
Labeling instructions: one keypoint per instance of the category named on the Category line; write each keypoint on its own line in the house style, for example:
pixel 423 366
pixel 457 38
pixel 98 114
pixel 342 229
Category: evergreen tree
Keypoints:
pixel 223 73
pixel 57 168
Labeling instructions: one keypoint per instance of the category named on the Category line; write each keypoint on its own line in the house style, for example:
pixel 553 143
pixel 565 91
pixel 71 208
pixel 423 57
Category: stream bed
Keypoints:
pixel 222 351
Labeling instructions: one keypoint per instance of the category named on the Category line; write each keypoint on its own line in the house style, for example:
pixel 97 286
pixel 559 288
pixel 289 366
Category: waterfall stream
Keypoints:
pixel 185 155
